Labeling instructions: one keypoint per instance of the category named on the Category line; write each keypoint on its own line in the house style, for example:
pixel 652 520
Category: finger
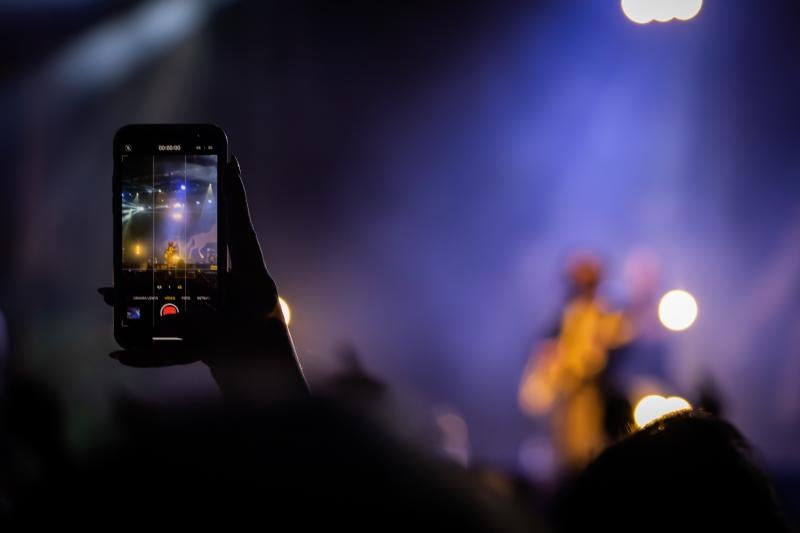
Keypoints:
pixel 153 358
pixel 246 256
pixel 108 295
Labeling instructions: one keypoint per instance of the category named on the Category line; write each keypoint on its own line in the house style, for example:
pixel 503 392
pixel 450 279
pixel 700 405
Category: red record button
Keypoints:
pixel 169 309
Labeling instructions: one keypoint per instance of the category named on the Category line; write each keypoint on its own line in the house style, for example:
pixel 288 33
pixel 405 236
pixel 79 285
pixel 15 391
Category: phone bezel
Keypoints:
pixel 154 134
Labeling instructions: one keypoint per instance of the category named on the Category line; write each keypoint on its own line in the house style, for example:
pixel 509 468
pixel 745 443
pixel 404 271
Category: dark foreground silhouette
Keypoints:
pixel 286 467
pixel 687 472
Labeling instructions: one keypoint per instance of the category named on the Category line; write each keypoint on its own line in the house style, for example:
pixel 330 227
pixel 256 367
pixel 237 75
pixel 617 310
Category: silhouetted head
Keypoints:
pixel 585 271
pixel 685 472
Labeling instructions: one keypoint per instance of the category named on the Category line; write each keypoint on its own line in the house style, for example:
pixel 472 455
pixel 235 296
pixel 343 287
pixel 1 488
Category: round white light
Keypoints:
pixel 653 407
pixel 637 10
pixel 677 310
pixel 687 9
pixel 663 11
pixel 646 11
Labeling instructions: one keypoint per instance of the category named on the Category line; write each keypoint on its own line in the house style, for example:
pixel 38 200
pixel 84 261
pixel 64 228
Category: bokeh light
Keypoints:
pixel 677 310
pixel 287 312
pixel 646 11
pixel 454 434
pixel 653 407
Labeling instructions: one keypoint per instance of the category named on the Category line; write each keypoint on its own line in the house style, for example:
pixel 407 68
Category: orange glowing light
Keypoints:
pixel 286 310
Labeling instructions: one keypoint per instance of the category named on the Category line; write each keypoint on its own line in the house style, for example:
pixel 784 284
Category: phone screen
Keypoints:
pixel 168 222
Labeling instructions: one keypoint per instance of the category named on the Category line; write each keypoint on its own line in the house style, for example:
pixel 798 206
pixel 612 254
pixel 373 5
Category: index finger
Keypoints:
pixel 245 251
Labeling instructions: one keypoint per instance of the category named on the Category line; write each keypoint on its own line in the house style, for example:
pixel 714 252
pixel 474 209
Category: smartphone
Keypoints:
pixel 169 251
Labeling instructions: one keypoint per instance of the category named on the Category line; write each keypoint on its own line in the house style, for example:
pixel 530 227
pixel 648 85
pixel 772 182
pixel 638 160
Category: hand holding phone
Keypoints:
pixel 242 337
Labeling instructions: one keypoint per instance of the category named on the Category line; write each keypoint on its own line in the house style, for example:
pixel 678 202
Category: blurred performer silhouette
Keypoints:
pixel 565 376
pixel 171 253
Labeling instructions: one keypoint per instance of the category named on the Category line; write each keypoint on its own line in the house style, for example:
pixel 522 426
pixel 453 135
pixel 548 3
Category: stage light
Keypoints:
pixel 636 10
pixel 653 407
pixel 646 11
pixel 118 47
pixel 197 202
pixel 209 200
pixel 687 9
pixel 137 249
pixel 177 216
pixel 183 187
pixel 177 205
pixel 677 310
pixel 287 312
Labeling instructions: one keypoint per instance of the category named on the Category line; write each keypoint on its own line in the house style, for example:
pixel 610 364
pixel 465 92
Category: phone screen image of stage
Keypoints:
pixel 169 237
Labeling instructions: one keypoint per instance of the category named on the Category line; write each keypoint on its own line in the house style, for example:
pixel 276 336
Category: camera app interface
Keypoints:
pixel 169 237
